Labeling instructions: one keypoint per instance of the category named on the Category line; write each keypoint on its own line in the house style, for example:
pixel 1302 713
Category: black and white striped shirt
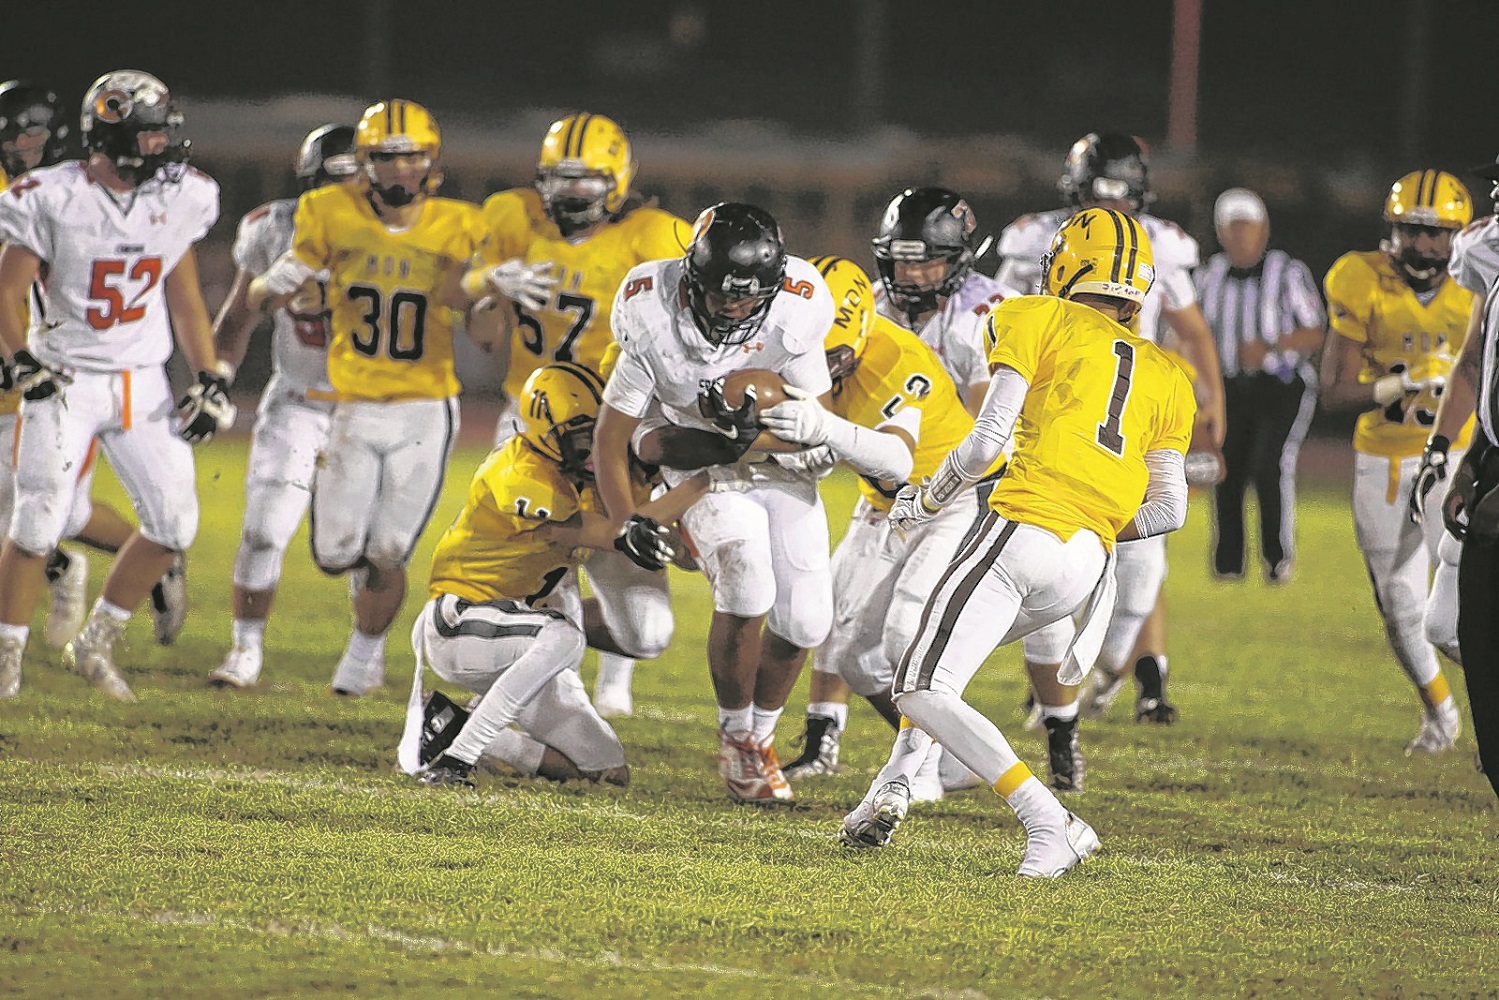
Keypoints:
pixel 1263 303
pixel 1488 385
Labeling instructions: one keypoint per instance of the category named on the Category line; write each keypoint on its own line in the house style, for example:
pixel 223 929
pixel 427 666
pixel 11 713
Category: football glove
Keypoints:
pixel 910 508
pixel 814 461
pixel 1433 470
pixel 206 409
pixel 742 425
pixel 33 379
pixel 1399 382
pixel 529 284
pixel 800 419
pixel 643 541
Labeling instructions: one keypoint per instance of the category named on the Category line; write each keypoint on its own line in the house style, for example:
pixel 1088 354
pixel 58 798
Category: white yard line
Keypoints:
pixel 420 942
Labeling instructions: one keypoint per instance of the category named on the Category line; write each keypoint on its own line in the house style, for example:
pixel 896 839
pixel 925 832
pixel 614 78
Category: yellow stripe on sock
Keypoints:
pixel 1011 780
pixel 1438 690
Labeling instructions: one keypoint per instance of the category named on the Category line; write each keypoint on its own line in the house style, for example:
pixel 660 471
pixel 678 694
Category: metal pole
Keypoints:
pixel 377 50
pixel 1186 40
pixel 1413 98
pixel 869 58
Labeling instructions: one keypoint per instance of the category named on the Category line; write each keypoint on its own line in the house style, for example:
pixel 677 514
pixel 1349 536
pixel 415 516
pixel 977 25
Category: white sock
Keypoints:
pixel 22 632
pixel 249 633
pixel 114 611
pixel 736 722
pixel 366 648
pixel 518 750
pixel 1059 711
pixel 835 710
pixel 615 671
pixel 763 725
pixel 1034 804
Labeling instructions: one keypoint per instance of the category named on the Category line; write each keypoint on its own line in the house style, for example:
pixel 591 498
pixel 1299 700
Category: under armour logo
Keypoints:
pixel 158 220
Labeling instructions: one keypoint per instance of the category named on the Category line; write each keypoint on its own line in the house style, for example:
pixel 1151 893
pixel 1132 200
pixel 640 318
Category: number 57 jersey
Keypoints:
pixel 1100 399
pixel 100 304
pixel 391 325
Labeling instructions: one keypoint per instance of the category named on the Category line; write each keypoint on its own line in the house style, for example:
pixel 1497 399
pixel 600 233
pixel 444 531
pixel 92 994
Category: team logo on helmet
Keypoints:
pixel 113 106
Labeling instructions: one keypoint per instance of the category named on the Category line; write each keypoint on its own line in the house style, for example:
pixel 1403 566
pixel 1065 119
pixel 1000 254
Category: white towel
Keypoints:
pixel 1093 624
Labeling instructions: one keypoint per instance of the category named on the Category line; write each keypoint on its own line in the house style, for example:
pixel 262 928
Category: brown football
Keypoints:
pixel 770 388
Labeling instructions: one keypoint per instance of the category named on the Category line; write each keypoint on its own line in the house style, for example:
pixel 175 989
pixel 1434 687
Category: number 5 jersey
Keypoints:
pixel 99 305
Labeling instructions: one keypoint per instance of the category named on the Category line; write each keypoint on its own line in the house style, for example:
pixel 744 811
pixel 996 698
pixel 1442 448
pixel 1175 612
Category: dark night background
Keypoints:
pixel 823 111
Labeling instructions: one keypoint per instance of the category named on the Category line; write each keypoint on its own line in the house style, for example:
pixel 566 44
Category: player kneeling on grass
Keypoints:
pixel 529 518
pixel 1100 419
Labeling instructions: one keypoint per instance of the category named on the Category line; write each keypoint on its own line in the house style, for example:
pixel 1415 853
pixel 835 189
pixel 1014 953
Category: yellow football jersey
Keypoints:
pixel 574 326
pixel 492 550
pixel 392 336
pixel 1100 398
pixel 1368 302
pixel 898 370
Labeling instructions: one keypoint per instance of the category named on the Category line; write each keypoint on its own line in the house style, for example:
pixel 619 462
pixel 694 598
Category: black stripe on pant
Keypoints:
pixel 1262 415
pixel 1478 629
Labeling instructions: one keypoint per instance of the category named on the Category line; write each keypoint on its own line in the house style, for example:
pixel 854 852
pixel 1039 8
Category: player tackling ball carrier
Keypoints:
pixel 1100 419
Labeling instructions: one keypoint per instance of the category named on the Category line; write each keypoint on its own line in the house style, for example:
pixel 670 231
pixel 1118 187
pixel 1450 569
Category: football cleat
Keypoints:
pixel 751 772
pixel 448 772
pixel 875 820
pixel 69 601
pixel 819 750
pixel 1064 760
pixel 1098 693
pixel 355 678
pixel 1439 730
pixel 442 720
pixel 1053 853
pixel 89 653
pixel 10 667
pixel 1032 709
pixel 1150 700
pixel 169 602
pixel 240 669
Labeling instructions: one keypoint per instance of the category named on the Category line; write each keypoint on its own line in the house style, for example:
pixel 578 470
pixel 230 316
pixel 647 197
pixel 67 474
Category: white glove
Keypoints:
pixel 529 284
pixel 800 419
pixel 817 461
pixel 1396 384
pixel 909 508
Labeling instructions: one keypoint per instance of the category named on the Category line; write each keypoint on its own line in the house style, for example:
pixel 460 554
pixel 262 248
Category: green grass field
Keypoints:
pixel 1274 842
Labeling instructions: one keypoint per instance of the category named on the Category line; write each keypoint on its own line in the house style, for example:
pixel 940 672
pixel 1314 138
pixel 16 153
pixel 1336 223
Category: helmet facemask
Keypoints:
pixel 395 194
pixel 121 125
pixel 918 299
pixel 575 197
pixel 842 363
pixel 1421 270
pixel 710 309
pixel 574 443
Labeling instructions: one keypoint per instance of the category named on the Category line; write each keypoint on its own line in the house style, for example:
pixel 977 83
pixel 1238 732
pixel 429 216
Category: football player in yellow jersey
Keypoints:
pixel 398 281
pixel 531 514
pixel 1397 322
pixel 884 379
pixel 1101 421
pixel 574 234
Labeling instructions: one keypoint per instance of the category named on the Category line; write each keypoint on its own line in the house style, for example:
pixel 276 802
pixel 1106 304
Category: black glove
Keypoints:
pixel 7 383
pixel 741 426
pixel 643 541
pixel 34 379
pixel 1433 470
pixel 206 409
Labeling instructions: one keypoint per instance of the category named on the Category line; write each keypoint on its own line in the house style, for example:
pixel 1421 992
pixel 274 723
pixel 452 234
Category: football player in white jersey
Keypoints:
pixel 1111 171
pixel 736 301
pixel 290 428
pixel 925 252
pixel 115 234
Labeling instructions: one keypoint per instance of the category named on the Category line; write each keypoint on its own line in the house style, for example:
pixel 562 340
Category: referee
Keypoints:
pixel 1267 317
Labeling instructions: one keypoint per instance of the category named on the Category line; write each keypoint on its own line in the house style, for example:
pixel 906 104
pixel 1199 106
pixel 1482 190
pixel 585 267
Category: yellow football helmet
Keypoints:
pixel 397 128
pixel 853 316
pixel 584 172
pixel 1429 198
pixel 559 406
pixel 1099 252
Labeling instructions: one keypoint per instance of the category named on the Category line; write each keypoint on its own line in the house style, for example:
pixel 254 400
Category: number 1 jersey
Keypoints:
pixel 392 333
pixel 100 304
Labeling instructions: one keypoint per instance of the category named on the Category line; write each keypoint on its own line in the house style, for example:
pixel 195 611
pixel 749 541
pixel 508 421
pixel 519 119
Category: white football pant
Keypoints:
pixel 289 433
pixel 1140 569
pixel 83 504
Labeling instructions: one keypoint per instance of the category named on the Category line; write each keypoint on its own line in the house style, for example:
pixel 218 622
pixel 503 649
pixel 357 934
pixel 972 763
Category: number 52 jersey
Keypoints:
pixel 100 305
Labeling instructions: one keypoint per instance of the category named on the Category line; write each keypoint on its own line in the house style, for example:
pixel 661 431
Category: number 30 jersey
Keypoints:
pixel 574 324
pixel 100 305
pixel 1368 302
pixel 1100 398
pixel 492 550
pixel 391 333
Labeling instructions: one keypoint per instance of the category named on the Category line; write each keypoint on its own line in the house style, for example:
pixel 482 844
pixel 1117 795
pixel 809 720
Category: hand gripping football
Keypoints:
pixel 770 388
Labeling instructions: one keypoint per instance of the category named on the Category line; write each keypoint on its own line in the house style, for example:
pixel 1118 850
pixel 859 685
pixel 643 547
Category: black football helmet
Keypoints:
pixel 736 254
pixel 923 224
pixel 327 155
pixel 118 109
pixel 1107 166
pixel 28 109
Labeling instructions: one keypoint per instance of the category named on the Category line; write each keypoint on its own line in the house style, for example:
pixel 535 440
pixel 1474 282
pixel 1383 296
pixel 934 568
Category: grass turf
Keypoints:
pixel 1275 841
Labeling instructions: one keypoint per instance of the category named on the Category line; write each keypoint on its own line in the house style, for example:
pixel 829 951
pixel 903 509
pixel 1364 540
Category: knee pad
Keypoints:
pixel 805 623
pixel 257 564
pixel 646 634
pixel 1049 643
pixel 743 584
pixel 37 522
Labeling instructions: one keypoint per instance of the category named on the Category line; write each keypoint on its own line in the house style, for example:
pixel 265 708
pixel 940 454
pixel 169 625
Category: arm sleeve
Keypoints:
pixel 975 454
pixel 1165 506
pixel 872 452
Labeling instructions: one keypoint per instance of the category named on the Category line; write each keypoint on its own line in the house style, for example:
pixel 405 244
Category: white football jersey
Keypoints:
pixel 1475 255
pixel 1028 237
pixel 101 305
pixel 664 357
pixel 956 331
pixel 299 342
